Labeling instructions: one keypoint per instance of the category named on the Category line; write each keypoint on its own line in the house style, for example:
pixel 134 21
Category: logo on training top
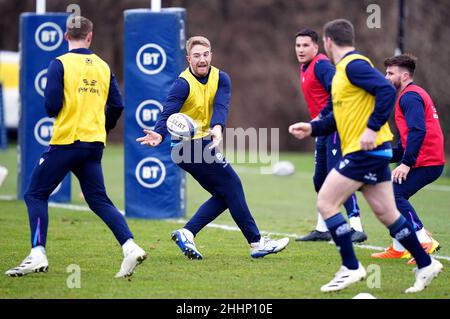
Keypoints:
pixel 48 36
pixel 151 59
pixel 371 177
pixel 40 82
pixel 147 114
pixel 43 131
pixel 150 172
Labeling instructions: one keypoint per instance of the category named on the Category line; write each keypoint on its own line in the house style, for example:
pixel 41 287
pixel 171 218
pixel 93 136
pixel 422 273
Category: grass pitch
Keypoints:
pixel 279 205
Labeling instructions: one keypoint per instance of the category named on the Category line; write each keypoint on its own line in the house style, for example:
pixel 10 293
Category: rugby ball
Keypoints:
pixel 181 126
pixel 283 168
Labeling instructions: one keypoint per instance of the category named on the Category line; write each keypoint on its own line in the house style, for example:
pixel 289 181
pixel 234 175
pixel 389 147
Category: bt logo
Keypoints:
pixel 147 114
pixel 151 59
pixel 150 172
pixel 43 131
pixel 40 82
pixel 48 36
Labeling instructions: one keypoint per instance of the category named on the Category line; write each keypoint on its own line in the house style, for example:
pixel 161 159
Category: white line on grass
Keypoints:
pixel 211 225
pixel 263 232
pixel 234 228
pixel 7 197
pixel 74 207
pixel 242 169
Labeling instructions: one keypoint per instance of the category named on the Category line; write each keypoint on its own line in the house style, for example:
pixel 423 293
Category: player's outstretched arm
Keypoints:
pixel 151 138
pixel 300 130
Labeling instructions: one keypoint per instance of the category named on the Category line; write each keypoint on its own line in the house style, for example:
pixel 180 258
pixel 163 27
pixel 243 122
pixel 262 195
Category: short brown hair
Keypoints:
pixel 308 33
pixel 78 27
pixel 195 40
pixel 407 61
pixel 341 31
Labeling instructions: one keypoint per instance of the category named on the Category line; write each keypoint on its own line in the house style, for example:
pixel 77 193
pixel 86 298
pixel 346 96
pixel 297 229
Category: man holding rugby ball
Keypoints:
pixel 203 93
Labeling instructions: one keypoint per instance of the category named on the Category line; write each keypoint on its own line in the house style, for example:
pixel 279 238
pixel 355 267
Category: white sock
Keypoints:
pixel 423 236
pixel 128 246
pixel 38 250
pixel 397 245
pixel 355 223
pixel 254 245
pixel 321 226
pixel 257 244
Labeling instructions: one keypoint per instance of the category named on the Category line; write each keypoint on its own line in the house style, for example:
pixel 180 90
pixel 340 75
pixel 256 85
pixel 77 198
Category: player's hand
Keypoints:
pixel 368 139
pixel 300 130
pixel 216 134
pixel 151 138
pixel 400 173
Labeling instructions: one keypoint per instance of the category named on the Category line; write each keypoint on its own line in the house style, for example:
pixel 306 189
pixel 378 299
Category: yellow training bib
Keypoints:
pixel 86 87
pixel 352 107
pixel 199 103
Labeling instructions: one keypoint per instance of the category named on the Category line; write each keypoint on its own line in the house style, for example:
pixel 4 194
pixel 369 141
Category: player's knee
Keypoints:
pixel 325 207
pixel 31 196
pixel 96 199
pixel 28 197
pixel 232 180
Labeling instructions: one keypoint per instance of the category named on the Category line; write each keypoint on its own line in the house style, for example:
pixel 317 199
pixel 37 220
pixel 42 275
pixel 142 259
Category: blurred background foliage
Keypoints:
pixel 253 41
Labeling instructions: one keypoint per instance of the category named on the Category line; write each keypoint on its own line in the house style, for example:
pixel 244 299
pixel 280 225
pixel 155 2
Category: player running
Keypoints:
pixel 420 151
pixel 362 102
pixel 79 86
pixel 316 74
pixel 203 92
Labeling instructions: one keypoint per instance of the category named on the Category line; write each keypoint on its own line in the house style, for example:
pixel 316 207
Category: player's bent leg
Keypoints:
pixel 380 198
pixel 320 233
pixel 332 194
pixel 416 180
pixel 333 156
pixel 50 171
pixel 335 190
pixel 207 212
pixel 90 175
pixel 229 186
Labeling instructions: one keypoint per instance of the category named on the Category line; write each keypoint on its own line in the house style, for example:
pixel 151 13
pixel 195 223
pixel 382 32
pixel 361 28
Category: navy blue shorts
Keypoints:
pixel 368 167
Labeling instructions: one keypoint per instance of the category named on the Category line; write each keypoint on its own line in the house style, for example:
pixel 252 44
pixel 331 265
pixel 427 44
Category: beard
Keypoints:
pixel 396 84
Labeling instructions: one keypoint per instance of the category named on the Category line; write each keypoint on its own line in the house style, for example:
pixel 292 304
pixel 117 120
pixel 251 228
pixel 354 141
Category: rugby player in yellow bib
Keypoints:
pixel 203 92
pixel 80 87
pixel 362 102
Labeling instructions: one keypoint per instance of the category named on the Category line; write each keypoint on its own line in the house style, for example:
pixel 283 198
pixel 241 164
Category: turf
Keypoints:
pixel 279 204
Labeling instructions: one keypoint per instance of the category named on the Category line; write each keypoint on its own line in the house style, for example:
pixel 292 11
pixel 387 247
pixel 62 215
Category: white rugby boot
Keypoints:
pixel 35 262
pixel 268 246
pixel 133 256
pixel 425 275
pixel 344 278
pixel 185 241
